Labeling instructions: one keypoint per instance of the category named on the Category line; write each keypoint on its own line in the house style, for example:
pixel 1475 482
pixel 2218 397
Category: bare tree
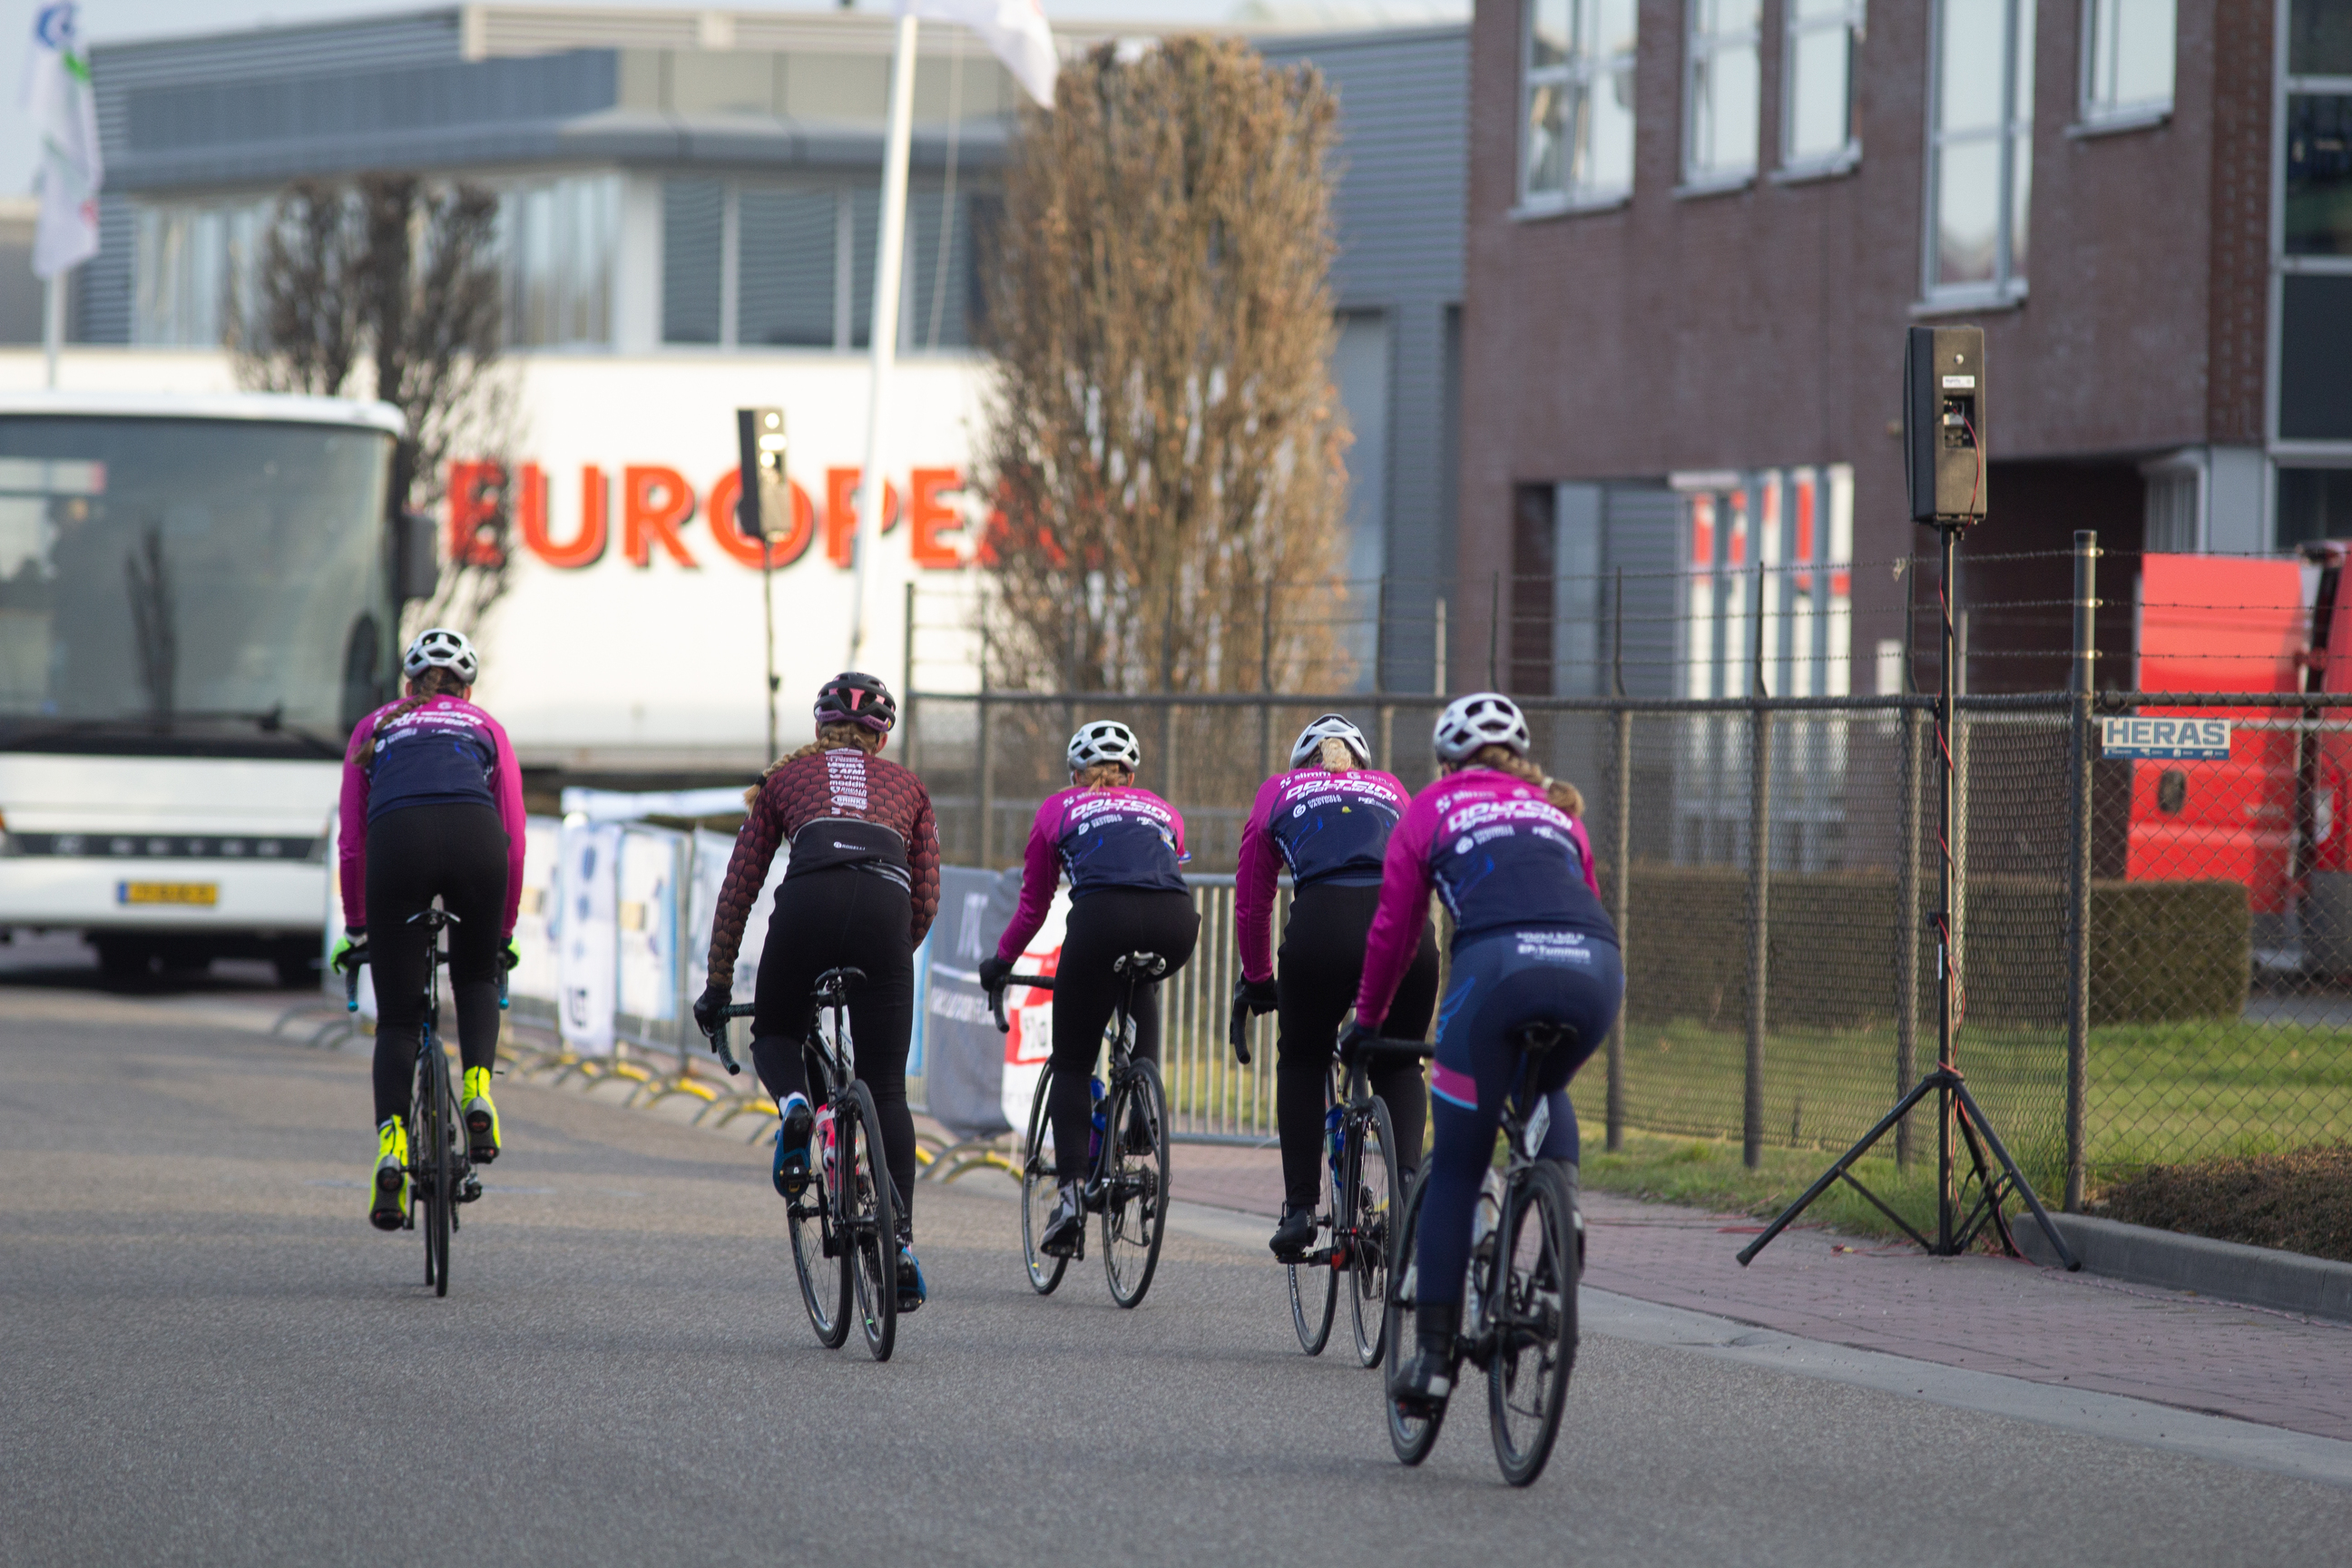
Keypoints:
pixel 1163 440
pixel 400 278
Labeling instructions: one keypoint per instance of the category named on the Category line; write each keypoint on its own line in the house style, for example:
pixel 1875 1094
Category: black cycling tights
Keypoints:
pixel 459 852
pixel 1104 928
pixel 829 919
pixel 1315 974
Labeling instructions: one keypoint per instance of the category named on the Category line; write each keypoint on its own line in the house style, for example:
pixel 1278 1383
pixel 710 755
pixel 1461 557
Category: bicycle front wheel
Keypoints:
pixel 1370 1166
pixel 1412 1434
pixel 1135 1184
pixel 871 1220
pixel 1037 1190
pixel 819 1257
pixel 1533 1315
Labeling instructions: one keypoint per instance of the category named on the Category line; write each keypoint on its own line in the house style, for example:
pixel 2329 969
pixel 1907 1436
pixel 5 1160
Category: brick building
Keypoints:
pixel 1698 227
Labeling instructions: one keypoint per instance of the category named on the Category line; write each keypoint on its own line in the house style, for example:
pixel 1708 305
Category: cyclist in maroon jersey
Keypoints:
pixel 860 889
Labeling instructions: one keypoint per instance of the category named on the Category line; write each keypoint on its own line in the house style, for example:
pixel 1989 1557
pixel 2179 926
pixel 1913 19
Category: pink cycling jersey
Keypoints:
pixel 443 752
pixel 1325 826
pixel 1502 856
pixel 1120 837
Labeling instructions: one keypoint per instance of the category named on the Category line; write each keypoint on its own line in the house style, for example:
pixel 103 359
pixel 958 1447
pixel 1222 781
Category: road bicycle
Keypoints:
pixel 1518 1307
pixel 1361 1197
pixel 844 1221
pixel 1127 1168
pixel 440 1170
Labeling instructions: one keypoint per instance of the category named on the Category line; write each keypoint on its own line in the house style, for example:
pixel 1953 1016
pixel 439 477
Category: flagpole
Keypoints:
pixel 888 268
pixel 53 322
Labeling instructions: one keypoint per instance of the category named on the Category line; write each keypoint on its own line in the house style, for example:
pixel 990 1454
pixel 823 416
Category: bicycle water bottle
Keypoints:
pixel 1335 1134
pixel 1483 1221
pixel 821 1132
pixel 1100 1120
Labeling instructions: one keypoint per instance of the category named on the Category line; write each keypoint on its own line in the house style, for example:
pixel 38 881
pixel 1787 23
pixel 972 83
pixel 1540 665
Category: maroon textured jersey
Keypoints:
pixel 836 808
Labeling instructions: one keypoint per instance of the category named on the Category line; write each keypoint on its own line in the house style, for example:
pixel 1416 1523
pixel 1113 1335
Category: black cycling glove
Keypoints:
pixel 1359 1034
pixel 710 1008
pixel 993 972
pixel 1259 995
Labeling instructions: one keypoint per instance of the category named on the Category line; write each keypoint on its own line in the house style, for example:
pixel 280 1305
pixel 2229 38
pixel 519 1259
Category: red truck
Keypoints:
pixel 2272 816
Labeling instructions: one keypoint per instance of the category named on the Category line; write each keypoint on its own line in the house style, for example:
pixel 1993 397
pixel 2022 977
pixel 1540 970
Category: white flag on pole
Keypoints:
pixel 57 94
pixel 1014 29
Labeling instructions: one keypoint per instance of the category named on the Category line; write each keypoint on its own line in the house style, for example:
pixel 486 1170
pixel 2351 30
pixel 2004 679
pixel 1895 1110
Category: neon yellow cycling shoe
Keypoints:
pixel 388 1197
pixel 481 1116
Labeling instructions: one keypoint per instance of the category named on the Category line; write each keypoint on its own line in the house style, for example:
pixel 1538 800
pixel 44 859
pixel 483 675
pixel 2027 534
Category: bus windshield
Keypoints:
pixel 189 586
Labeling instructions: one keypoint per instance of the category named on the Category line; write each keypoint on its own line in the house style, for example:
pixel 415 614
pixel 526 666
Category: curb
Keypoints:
pixel 2258 1275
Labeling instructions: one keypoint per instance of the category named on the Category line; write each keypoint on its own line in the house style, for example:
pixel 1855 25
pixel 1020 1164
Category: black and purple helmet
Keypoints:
pixel 851 698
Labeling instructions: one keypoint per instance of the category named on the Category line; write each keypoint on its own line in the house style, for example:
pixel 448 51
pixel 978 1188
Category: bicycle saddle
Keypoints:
pixel 1151 965
pixel 1542 1038
pixel 840 979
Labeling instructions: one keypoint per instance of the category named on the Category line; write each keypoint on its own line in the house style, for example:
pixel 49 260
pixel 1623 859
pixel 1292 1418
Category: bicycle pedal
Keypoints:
pixel 469 1189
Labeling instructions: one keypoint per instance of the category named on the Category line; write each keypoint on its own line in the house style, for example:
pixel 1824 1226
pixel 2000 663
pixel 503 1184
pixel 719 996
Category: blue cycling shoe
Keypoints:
pixel 792 1146
pixel 913 1291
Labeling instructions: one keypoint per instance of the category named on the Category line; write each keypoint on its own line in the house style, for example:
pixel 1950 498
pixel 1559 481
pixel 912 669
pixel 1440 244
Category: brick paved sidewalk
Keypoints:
pixel 1986 1314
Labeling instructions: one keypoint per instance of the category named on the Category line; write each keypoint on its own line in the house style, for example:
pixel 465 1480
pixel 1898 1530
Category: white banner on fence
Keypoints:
pixel 587 937
pixel 535 978
pixel 2168 739
pixel 1030 1012
pixel 645 913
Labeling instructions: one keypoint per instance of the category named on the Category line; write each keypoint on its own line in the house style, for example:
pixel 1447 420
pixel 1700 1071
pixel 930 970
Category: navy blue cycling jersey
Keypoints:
pixel 1326 826
pixel 1103 837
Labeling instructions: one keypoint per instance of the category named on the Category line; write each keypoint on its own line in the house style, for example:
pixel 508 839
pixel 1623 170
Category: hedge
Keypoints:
pixel 2159 950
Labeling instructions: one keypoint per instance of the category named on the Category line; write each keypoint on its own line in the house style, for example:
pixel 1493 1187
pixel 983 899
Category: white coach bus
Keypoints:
pixel 199 597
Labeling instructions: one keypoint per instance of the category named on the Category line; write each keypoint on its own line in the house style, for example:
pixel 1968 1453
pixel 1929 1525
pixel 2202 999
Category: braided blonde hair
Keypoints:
pixel 439 680
pixel 1333 756
pixel 1503 760
pixel 829 738
pixel 1103 775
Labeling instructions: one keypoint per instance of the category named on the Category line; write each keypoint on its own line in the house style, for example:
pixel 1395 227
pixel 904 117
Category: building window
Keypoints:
pixel 2312 504
pixel 763 267
pixel 1578 144
pixel 1720 94
pixel 192 272
pixel 2312 399
pixel 559 237
pixel 1980 152
pixel 2127 59
pixel 1819 127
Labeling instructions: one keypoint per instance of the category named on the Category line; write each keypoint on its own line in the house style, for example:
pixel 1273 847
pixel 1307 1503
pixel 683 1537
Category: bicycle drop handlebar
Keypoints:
pixel 717 1037
pixel 996 997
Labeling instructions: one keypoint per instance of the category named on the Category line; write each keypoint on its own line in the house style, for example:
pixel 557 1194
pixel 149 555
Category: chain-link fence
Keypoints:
pixel 1778 908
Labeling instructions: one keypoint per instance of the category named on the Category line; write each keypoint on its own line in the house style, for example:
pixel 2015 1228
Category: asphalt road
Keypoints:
pixel 207 1356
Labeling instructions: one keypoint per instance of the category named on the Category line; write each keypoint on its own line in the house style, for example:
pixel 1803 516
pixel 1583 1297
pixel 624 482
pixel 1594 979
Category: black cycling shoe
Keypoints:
pixel 792 1146
pixel 1294 1235
pixel 1066 1231
pixel 1422 1386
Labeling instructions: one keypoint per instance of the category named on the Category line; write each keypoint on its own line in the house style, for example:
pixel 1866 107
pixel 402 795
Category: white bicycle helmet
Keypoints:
pixel 1330 727
pixel 1105 741
pixel 441 648
pixel 1481 719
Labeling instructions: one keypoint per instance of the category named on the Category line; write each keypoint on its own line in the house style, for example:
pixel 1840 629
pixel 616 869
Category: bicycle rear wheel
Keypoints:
pixel 1533 1315
pixel 1412 1436
pixel 1370 1166
pixel 1037 1189
pixel 819 1259
pixel 1135 1183
pixel 872 1225
pixel 1314 1287
pixel 431 1154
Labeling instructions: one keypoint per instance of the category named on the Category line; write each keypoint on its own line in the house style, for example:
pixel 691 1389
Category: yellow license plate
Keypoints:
pixel 202 894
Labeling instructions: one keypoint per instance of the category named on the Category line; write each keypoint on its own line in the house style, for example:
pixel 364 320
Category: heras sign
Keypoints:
pixel 2168 740
pixel 657 503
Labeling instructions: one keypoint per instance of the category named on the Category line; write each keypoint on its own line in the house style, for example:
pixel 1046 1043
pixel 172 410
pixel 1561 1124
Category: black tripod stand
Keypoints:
pixel 1959 1219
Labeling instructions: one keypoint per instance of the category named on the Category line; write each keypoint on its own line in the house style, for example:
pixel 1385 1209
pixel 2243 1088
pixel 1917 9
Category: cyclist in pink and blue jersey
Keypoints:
pixel 1120 847
pixel 1503 847
pixel 1328 822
